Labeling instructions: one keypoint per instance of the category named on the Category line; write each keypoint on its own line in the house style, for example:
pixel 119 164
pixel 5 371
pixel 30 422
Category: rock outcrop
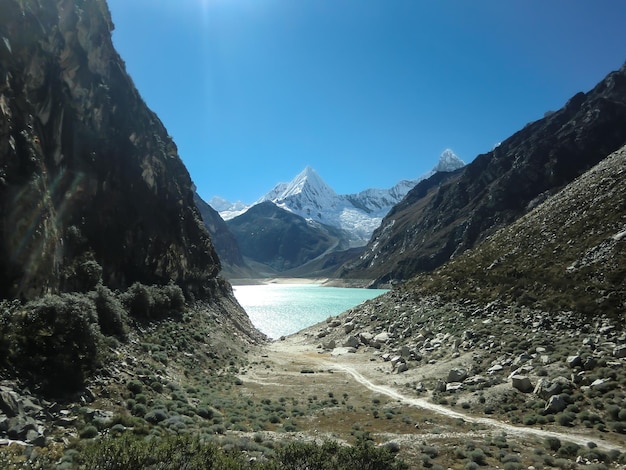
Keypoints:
pixel 88 174
pixel 449 213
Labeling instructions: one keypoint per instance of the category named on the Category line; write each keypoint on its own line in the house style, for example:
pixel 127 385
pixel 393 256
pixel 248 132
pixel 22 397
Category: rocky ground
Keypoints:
pixel 478 372
pixel 446 385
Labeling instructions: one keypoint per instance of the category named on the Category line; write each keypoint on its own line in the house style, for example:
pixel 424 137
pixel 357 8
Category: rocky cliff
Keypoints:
pixel 88 174
pixel 448 214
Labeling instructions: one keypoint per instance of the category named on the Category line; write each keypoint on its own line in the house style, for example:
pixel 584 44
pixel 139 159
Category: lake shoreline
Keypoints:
pixel 326 282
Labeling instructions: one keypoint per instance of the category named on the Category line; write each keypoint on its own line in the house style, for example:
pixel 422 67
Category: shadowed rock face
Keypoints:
pixel 446 215
pixel 87 171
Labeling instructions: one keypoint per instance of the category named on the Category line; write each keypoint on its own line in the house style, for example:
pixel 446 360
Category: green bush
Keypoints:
pixel 89 432
pixel 156 416
pixel 111 313
pixel 154 302
pixel 134 386
pixel 57 333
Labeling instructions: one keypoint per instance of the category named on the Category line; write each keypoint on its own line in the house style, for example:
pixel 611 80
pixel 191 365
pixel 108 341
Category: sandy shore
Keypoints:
pixel 277 280
pixel 301 280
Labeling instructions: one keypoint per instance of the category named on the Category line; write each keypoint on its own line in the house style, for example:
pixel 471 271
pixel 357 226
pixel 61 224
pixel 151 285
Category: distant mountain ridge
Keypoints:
pixel 277 240
pixel 359 214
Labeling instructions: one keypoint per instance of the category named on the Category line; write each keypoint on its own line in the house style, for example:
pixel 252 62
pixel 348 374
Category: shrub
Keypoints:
pixel 156 416
pixel 566 418
pixel 134 386
pixel 154 302
pixel 58 333
pixel 139 409
pixel 111 313
pixel 478 456
pixel 89 432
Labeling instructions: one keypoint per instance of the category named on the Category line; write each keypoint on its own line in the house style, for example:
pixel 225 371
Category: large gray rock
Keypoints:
pixel 522 383
pixel 555 404
pixel 351 342
pixel 574 361
pixel 10 404
pixel 546 388
pixel 382 337
pixel 620 351
pixel 457 375
pixel 366 337
pixel 402 367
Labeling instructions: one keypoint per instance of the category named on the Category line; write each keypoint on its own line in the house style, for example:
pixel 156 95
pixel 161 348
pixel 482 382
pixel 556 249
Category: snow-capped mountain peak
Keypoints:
pixel 358 214
pixel 448 161
pixel 306 192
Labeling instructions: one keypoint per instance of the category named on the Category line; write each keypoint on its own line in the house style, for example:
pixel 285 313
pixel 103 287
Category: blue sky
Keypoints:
pixel 367 92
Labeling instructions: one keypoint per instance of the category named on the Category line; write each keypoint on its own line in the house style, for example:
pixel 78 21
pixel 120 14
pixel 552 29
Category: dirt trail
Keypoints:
pixel 579 439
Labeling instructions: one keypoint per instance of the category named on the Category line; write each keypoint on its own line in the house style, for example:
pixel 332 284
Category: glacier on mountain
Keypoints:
pixel 358 214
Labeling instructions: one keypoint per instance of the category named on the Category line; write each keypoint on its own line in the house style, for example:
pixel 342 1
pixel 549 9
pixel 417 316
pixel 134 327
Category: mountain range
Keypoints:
pixel 303 221
pixel 359 214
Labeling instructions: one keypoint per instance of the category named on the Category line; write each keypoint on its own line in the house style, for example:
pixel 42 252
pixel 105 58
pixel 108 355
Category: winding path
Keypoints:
pixel 579 439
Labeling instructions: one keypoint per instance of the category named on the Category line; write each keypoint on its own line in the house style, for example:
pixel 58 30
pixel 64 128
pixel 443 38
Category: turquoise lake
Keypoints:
pixel 282 309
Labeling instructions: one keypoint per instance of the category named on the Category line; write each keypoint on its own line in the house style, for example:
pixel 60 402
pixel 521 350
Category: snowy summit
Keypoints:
pixel 308 196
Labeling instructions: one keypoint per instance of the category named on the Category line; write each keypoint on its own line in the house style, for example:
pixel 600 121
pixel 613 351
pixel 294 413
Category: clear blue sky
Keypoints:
pixel 367 92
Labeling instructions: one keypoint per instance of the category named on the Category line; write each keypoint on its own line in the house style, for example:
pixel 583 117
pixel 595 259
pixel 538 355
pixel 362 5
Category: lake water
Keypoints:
pixel 283 309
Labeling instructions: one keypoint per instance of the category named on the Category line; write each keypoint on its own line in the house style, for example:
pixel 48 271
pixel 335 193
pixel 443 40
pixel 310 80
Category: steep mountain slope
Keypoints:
pixel 569 253
pixel 282 240
pixel 88 172
pixel 444 217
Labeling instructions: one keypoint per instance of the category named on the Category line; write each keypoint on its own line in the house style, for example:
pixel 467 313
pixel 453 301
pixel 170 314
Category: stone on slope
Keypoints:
pixel 522 383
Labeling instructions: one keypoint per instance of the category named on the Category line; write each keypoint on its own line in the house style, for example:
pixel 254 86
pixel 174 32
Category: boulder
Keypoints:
pixel 348 327
pixel 454 386
pixel 10 404
pixel 574 361
pixel 457 375
pixel 620 351
pixel 351 342
pixel 397 360
pixel 381 337
pixel 402 367
pixel 366 337
pixel 522 383
pixel 555 404
pixel 329 344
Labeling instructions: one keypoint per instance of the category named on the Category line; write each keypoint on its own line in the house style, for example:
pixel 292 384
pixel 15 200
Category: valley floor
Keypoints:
pixel 347 392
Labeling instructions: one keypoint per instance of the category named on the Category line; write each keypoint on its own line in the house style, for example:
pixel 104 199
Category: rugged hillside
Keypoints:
pixel 282 240
pixel 224 241
pixel 88 172
pixel 359 214
pixel 444 217
pixel 100 240
pixel 569 253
